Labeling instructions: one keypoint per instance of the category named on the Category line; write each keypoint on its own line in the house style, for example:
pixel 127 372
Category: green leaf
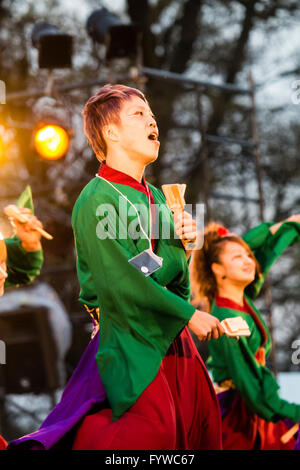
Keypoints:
pixel 25 200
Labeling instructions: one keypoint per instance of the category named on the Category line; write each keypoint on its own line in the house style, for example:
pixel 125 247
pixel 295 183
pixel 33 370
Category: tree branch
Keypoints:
pixel 188 35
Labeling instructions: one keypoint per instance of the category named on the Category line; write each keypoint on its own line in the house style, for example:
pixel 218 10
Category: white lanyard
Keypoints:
pixel 140 224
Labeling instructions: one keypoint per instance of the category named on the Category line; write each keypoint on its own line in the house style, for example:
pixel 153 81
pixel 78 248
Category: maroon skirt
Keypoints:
pixel 244 430
pixel 3 443
pixel 178 410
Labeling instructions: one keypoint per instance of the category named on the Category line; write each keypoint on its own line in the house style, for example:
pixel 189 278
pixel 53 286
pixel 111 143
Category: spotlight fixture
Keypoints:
pixel 121 40
pixel 55 48
pixel 51 136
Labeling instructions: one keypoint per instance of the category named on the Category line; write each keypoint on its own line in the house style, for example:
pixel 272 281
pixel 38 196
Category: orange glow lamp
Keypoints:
pixel 51 141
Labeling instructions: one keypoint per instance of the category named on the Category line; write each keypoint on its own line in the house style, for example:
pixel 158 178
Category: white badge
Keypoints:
pixel 146 262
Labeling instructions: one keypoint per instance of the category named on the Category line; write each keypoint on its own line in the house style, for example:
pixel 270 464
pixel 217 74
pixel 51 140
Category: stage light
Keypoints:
pixel 52 128
pixel 55 48
pixel 121 40
pixel 51 141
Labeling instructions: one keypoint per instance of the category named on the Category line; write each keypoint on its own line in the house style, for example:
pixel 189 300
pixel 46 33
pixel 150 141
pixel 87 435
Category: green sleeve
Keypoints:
pixel 267 247
pixel 139 318
pixel 254 382
pixel 22 266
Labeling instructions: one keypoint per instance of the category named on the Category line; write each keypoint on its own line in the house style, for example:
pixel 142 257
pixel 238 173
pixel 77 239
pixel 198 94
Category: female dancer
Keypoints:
pixel 21 259
pixel 229 272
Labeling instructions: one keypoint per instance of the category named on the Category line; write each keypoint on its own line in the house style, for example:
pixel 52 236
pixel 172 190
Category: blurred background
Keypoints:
pixel 223 79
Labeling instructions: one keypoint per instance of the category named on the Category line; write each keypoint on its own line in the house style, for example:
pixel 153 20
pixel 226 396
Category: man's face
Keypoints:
pixel 137 131
pixel 3 276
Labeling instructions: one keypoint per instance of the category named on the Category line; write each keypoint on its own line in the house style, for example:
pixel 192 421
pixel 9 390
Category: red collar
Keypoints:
pixel 116 176
pixel 228 303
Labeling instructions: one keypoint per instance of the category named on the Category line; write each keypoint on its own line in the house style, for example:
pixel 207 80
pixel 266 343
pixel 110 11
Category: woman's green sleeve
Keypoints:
pixel 22 266
pixel 267 247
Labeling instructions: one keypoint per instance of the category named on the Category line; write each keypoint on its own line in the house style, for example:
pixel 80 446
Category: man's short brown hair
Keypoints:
pixel 102 109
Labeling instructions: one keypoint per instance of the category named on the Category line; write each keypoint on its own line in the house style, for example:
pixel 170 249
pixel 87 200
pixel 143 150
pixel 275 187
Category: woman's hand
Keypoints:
pixel 292 218
pixel 205 326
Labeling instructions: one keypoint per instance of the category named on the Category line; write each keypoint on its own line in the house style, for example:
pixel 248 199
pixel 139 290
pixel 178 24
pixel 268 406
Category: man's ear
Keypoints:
pixel 110 133
pixel 217 269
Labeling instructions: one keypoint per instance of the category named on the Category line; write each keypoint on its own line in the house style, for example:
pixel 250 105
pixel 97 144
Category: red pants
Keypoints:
pixel 178 410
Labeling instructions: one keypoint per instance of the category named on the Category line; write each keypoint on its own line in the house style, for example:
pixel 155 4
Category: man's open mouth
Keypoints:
pixel 153 136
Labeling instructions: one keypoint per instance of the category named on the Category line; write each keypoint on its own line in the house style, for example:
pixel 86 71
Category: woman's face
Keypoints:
pixel 237 263
pixel 3 276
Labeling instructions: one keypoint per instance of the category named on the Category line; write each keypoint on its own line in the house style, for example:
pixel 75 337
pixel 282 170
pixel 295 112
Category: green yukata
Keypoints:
pixel 140 383
pixel 139 316
pixel 239 360
pixel 22 266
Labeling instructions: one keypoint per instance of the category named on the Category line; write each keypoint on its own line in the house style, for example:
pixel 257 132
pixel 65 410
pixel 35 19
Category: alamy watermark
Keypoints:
pixel 133 222
pixel 296 94
pixel 2 352
pixel 296 353
pixel 2 92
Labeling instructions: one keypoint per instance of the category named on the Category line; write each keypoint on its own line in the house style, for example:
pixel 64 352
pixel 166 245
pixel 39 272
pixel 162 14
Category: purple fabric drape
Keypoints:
pixel 83 391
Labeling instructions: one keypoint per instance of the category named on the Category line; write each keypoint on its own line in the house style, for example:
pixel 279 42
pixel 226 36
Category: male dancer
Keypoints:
pixel 159 393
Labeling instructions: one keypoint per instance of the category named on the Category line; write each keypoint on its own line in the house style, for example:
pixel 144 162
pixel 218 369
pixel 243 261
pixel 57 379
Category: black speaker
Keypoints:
pixel 55 48
pixel 30 352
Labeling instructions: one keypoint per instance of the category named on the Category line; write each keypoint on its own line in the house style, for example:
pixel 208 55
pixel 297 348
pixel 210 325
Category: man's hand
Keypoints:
pixel 30 238
pixel 205 326
pixel 186 229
